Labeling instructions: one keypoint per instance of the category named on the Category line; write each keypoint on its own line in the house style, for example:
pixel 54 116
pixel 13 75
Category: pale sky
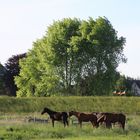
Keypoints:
pixel 25 21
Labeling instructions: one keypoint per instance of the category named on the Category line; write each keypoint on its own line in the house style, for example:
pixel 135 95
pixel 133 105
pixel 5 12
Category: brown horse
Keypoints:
pixel 56 116
pixel 112 118
pixel 84 117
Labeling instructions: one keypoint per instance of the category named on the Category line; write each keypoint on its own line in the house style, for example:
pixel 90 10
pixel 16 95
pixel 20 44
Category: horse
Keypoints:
pixel 84 117
pixel 56 116
pixel 98 115
pixel 112 118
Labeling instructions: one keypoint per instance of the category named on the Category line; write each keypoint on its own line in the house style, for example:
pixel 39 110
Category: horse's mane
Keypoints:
pixel 49 111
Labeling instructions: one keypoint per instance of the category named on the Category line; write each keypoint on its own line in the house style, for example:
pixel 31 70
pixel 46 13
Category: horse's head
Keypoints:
pixel 44 110
pixel 71 113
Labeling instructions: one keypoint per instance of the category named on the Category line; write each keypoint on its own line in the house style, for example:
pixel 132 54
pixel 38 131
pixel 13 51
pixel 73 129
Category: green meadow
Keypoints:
pixel 15 114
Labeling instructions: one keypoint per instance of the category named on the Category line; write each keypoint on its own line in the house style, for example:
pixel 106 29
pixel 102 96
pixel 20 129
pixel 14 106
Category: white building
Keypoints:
pixel 135 88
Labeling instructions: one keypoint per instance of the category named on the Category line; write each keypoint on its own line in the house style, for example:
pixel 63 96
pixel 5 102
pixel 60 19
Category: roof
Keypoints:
pixel 137 82
pixel 130 82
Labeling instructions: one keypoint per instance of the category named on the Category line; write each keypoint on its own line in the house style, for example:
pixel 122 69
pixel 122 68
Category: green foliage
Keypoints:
pixel 2 79
pixel 12 69
pixel 75 57
pixel 1 76
pixel 37 78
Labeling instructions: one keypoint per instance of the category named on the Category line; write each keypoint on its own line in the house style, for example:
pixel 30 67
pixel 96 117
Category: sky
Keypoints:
pixel 22 22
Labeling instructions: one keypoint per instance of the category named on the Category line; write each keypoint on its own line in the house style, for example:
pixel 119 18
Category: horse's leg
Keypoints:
pixel 53 122
pixel 96 124
pixel 64 123
pixel 67 122
pixel 64 119
pixel 92 123
pixel 80 122
pixel 108 125
pixel 122 125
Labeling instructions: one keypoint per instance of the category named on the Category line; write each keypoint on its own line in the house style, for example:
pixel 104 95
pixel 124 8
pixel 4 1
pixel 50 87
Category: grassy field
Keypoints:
pixel 15 114
pixel 23 130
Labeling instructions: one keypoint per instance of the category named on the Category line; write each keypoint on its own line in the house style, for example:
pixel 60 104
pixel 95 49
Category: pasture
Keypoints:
pixel 16 113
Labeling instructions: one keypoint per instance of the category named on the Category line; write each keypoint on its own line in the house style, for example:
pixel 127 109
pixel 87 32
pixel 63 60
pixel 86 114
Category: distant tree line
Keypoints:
pixel 75 57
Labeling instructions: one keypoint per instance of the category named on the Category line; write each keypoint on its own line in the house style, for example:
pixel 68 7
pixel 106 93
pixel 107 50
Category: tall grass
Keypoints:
pixel 130 105
pixel 36 131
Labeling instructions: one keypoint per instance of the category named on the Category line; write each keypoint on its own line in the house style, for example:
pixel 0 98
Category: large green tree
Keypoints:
pixel 74 57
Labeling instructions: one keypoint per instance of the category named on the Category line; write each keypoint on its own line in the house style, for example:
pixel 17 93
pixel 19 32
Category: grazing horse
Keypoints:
pixel 56 116
pixel 110 118
pixel 83 117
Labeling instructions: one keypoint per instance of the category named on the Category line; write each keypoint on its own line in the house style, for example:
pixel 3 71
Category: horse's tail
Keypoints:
pixel 64 115
pixel 65 118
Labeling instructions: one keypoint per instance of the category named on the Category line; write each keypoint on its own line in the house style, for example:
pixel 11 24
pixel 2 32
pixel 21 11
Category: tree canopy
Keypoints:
pixel 2 80
pixel 76 57
pixel 12 69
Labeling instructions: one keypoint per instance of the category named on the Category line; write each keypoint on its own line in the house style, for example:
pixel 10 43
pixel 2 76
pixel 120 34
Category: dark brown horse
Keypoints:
pixel 84 117
pixel 112 118
pixel 56 116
